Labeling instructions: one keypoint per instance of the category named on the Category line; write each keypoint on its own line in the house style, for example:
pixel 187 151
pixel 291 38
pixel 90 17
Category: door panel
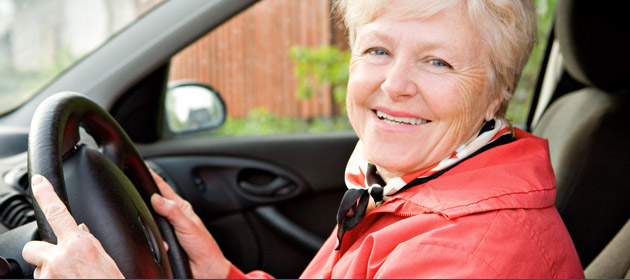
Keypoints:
pixel 269 201
pixel 223 185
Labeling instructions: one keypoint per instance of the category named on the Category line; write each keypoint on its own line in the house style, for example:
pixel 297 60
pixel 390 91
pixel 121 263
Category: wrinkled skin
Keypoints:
pixel 78 254
pixel 206 258
pixel 434 71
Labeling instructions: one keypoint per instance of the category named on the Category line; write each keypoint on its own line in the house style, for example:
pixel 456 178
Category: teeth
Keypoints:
pixel 395 120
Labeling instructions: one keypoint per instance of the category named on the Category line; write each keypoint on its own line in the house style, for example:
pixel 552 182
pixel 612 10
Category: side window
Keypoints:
pixel 522 99
pixel 280 67
pixel 39 40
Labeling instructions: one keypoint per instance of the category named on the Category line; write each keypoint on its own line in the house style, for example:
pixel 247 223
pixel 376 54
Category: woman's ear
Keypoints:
pixel 495 104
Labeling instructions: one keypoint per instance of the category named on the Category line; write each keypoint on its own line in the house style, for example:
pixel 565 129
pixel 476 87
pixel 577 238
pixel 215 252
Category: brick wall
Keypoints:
pixel 247 59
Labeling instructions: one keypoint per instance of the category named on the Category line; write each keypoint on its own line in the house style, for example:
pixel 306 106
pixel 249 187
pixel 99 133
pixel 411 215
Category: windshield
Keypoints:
pixel 40 39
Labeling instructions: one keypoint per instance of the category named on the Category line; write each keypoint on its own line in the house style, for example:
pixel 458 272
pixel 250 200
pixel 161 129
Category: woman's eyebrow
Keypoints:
pixel 424 45
pixel 374 35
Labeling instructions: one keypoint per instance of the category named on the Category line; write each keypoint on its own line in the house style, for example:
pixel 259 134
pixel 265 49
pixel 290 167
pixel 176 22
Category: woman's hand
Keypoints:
pixel 206 258
pixel 78 254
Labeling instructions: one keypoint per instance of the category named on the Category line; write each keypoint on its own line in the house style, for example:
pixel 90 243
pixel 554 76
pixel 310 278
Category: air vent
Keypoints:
pixel 15 210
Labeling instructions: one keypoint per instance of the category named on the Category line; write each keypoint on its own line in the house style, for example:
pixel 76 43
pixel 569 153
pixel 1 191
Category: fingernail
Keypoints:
pixel 84 227
pixel 36 179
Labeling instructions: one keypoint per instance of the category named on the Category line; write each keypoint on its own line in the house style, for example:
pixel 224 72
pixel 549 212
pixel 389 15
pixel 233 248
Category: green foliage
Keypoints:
pixel 260 121
pixel 318 67
pixel 521 102
pixel 16 87
pixel 62 60
pixel 19 85
pixel 327 65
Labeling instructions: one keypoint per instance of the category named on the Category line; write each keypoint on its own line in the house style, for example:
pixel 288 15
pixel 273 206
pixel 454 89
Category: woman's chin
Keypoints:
pixel 395 155
pixel 395 166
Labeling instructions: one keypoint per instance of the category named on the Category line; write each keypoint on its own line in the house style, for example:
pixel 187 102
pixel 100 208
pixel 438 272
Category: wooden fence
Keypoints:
pixel 247 59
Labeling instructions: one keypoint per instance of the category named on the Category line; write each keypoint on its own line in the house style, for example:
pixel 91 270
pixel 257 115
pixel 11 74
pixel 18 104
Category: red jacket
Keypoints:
pixel 491 216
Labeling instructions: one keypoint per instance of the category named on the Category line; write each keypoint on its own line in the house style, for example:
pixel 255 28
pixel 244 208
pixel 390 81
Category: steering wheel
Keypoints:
pixel 106 187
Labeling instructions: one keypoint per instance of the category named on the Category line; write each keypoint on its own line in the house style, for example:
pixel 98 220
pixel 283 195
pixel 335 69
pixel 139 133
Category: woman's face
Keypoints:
pixel 418 89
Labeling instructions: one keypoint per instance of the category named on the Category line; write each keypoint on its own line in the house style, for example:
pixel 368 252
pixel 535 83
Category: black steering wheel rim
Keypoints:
pixel 54 138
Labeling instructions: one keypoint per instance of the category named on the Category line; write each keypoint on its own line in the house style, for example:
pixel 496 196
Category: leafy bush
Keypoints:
pixel 327 66
pixel 521 102
pixel 260 121
pixel 316 68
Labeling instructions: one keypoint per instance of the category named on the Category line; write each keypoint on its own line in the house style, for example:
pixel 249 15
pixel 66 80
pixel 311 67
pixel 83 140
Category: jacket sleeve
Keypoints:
pixel 236 273
pixel 433 261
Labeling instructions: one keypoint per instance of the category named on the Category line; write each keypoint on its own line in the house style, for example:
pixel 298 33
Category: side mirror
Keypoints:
pixel 193 107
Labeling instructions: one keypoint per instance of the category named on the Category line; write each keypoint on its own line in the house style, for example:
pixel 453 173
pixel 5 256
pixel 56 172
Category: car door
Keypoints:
pixel 269 200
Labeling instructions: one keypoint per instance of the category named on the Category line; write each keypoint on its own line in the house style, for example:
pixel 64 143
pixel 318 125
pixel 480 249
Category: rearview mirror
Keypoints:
pixel 193 107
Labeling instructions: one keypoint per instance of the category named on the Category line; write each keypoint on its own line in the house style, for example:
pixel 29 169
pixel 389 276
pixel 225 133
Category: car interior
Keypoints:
pixel 587 128
pixel 270 200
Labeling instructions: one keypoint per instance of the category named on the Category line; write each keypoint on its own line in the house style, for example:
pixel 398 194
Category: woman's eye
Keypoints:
pixel 437 62
pixel 377 51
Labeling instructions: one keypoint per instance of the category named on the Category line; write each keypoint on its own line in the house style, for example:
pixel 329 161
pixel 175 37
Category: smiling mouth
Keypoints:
pixel 398 120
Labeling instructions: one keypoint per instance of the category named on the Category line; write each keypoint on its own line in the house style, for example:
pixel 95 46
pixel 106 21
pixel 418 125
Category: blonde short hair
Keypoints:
pixel 509 28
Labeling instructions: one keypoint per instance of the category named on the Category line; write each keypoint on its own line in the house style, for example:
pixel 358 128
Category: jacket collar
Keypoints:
pixel 510 176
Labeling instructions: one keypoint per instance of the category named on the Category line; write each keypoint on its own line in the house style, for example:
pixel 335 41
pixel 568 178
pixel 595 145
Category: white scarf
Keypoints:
pixel 367 190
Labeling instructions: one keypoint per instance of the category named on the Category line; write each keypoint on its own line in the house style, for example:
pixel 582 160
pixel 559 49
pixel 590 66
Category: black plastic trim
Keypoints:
pixel 288 228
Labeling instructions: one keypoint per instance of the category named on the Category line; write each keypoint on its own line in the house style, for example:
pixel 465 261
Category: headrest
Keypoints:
pixel 594 38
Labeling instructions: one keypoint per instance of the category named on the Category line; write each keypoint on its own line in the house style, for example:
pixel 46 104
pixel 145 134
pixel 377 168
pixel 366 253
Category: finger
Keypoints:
pixel 84 227
pixel 37 273
pixel 35 252
pixel 169 210
pixel 156 177
pixel 165 188
pixel 62 223
pixel 165 246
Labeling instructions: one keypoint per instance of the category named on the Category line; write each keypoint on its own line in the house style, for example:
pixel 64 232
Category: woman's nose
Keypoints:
pixel 397 83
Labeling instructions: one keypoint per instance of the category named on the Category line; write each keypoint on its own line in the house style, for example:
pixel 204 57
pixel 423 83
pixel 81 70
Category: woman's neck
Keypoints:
pixel 387 175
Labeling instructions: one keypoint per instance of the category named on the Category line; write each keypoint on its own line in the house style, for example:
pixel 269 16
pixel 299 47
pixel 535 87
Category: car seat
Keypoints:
pixel 614 261
pixel 589 129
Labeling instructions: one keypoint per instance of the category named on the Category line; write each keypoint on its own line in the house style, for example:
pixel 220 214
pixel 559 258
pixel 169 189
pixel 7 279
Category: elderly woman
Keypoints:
pixel 440 185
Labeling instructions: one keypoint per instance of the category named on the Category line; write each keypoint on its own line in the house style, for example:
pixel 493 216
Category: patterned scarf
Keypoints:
pixel 367 190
